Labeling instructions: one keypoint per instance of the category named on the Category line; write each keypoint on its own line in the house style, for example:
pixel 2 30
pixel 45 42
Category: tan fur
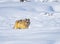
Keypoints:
pixel 22 24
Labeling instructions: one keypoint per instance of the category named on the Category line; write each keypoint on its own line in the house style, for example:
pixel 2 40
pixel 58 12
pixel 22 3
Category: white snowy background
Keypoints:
pixel 44 29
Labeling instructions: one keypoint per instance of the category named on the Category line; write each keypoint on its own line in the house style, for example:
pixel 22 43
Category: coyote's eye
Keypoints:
pixel 27 22
pixel 20 20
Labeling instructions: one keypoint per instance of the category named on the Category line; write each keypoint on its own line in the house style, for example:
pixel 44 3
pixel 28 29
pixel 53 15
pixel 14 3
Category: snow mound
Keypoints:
pixel 56 8
pixel 9 0
pixel 44 8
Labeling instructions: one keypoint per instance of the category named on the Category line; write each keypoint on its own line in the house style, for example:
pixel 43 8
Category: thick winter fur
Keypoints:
pixel 22 24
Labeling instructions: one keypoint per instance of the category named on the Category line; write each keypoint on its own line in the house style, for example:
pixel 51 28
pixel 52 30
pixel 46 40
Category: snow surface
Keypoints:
pixel 44 29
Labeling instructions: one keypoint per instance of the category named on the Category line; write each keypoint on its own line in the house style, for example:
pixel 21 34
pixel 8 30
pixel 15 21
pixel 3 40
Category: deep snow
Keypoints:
pixel 44 29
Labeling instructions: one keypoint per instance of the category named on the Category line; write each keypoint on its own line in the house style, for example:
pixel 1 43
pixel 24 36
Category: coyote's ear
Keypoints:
pixel 27 19
pixel 20 20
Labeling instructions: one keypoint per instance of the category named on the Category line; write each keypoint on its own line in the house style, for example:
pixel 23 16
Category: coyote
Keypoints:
pixel 22 24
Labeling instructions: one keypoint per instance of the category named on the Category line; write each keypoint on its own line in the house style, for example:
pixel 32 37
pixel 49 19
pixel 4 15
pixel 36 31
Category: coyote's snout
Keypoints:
pixel 22 24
